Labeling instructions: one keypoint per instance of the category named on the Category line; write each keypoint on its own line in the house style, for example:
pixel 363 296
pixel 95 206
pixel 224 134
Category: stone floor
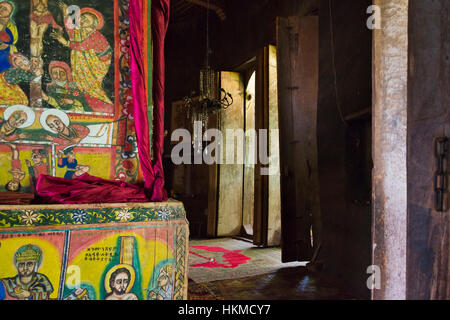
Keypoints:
pixel 289 283
pixel 284 284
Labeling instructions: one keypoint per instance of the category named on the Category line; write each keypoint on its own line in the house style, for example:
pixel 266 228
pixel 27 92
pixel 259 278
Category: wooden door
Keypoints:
pixel 231 175
pixel 298 60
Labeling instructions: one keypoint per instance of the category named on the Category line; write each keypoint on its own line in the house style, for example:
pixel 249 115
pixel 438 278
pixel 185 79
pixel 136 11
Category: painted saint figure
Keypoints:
pixel 16 171
pixel 165 285
pixel 11 94
pixel 119 284
pixel 28 284
pixel 62 92
pixel 38 167
pixel 8 34
pixel 66 158
pixel 58 122
pixel 20 72
pixel 16 118
pixel 90 56
pixel 40 20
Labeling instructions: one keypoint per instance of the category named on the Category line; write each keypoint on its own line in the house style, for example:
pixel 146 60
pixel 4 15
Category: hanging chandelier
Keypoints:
pixel 211 99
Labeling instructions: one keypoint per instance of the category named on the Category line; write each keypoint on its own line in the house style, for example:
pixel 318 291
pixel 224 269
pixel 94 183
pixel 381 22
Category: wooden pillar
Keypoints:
pixel 390 79
pixel 298 64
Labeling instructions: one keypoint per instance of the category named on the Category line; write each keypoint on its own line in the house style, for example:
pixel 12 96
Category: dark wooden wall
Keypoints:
pixel 344 141
pixel 428 257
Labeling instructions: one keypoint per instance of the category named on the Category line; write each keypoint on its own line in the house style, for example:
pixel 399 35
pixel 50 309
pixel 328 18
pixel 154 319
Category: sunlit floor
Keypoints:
pixel 276 282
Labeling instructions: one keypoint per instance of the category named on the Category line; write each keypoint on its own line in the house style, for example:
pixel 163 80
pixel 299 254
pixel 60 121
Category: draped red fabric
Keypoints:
pixel 159 24
pixel 89 189
pixel 153 172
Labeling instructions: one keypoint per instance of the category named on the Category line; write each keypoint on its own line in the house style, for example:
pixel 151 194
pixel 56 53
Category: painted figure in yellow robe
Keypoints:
pixel 90 56
pixel 21 71
pixel 11 94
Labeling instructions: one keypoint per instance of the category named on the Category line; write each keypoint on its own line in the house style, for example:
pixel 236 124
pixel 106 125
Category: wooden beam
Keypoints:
pixel 359 114
pixel 218 10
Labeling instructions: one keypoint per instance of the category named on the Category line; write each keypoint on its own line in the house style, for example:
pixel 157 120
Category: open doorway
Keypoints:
pixel 248 189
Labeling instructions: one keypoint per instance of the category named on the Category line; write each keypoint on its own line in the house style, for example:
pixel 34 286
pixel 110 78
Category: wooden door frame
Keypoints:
pixel 261 206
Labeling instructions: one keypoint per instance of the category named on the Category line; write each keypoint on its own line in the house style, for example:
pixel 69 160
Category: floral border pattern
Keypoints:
pixel 52 217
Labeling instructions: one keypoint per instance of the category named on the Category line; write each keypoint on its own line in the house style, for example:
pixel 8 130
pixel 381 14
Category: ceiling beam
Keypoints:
pixel 218 10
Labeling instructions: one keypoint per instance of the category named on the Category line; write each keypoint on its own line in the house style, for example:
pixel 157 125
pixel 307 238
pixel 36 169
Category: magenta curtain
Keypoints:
pixel 153 172
pixel 89 189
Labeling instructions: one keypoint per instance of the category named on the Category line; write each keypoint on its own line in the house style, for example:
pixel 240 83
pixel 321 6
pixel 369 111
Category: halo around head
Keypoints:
pixel 13 11
pixel 100 19
pixel 53 112
pixel 116 267
pixel 31 116
pixel 166 271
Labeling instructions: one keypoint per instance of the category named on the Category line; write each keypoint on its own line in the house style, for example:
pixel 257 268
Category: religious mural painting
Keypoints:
pixel 66 257
pixel 65 92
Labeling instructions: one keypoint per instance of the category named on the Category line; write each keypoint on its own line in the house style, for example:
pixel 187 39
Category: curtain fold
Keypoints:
pixel 87 189
pixel 153 172
pixel 159 23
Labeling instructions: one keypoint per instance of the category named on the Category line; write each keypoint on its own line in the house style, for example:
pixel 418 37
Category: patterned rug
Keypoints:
pixel 224 259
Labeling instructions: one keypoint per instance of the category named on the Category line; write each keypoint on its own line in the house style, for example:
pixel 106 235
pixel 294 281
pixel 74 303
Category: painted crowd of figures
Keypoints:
pixel 78 87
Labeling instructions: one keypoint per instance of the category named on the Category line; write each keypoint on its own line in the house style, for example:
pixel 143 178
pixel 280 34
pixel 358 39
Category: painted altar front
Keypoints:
pixel 102 252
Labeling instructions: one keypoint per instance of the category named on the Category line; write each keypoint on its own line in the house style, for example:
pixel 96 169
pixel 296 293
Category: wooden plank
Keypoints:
pixel 274 192
pixel 428 242
pixel 261 122
pixel 286 128
pixel 213 183
pixel 297 42
pixel 389 185
pixel 231 175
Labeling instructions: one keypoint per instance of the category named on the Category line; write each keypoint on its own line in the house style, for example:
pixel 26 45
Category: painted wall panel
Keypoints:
pixel 65 92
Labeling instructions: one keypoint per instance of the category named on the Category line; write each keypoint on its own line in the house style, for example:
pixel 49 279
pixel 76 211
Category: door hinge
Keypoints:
pixel 441 174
